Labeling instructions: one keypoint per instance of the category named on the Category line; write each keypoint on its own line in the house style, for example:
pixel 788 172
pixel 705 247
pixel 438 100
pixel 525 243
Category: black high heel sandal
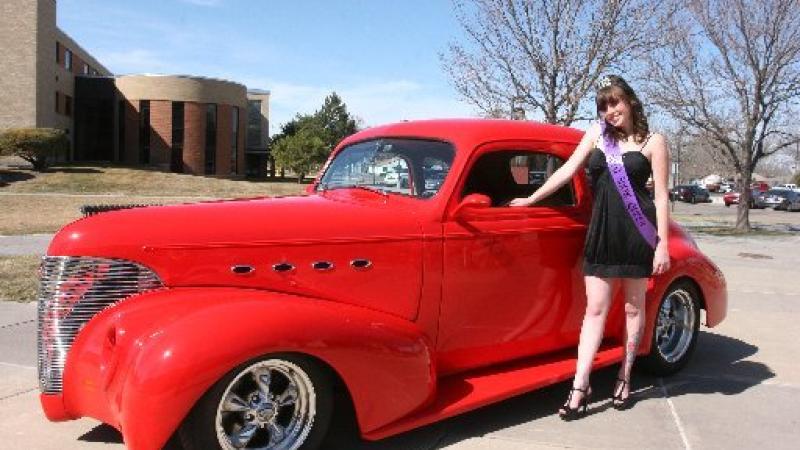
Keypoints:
pixel 617 401
pixel 568 413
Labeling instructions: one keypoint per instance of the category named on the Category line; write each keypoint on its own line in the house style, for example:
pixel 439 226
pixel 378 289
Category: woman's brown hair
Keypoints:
pixel 613 89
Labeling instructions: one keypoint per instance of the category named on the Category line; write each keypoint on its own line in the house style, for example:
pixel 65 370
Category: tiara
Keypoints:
pixel 604 82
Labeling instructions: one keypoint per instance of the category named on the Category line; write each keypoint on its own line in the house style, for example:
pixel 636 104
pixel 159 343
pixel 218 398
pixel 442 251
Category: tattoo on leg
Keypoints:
pixel 633 346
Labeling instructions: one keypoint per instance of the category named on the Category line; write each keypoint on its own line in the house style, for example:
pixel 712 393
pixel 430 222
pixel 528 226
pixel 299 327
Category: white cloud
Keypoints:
pixel 375 103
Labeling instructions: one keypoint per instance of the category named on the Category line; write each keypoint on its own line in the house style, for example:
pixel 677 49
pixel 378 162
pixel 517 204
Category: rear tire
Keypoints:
pixel 280 401
pixel 676 330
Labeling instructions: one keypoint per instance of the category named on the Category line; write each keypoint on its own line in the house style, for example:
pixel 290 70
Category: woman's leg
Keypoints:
pixel 598 300
pixel 635 289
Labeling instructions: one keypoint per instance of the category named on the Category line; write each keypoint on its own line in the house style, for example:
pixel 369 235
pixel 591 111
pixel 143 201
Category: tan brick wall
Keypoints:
pixel 18 25
pixel 194 137
pixel 182 88
pixel 161 134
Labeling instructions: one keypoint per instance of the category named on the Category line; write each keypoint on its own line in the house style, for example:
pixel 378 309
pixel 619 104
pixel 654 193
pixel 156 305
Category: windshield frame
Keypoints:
pixel 320 184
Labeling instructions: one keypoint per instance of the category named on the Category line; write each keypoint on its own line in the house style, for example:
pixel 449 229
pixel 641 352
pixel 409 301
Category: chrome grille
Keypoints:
pixel 72 291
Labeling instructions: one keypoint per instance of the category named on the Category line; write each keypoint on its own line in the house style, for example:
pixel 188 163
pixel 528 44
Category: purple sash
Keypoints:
pixel 610 149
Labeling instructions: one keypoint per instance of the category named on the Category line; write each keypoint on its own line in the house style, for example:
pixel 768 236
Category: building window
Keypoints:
pixel 176 160
pixel 58 102
pixel 235 141
pixel 254 123
pixel 58 52
pixel 68 105
pixel 121 126
pixel 68 59
pixel 85 69
pixel 144 132
pixel 211 138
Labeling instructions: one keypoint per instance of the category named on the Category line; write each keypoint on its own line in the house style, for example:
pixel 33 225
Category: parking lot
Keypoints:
pixel 741 390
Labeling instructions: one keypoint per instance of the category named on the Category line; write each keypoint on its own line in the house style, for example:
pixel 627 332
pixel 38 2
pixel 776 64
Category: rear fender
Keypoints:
pixel 686 262
pixel 164 349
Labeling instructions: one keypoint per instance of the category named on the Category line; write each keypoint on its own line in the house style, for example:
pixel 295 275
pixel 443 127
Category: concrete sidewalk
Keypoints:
pixel 25 244
pixel 741 389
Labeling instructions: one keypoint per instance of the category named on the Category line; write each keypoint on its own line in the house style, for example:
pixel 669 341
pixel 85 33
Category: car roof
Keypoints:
pixel 466 134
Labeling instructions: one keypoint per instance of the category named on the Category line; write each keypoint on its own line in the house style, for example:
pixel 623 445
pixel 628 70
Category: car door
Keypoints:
pixel 513 282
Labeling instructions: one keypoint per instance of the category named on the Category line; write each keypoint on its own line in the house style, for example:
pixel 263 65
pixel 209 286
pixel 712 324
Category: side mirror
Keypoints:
pixel 471 202
pixel 311 188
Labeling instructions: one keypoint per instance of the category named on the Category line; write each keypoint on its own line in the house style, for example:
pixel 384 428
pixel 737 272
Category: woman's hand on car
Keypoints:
pixel 521 201
pixel 661 259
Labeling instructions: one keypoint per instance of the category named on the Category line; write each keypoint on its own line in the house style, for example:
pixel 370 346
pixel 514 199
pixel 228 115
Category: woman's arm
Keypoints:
pixel 565 172
pixel 661 162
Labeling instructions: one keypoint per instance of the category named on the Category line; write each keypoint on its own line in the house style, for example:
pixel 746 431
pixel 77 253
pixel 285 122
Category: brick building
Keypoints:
pixel 180 123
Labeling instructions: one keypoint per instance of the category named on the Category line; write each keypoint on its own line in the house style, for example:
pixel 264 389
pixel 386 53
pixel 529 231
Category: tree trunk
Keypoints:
pixel 743 211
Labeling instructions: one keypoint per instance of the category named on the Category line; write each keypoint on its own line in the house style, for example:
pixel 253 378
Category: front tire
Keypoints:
pixel 676 330
pixel 281 401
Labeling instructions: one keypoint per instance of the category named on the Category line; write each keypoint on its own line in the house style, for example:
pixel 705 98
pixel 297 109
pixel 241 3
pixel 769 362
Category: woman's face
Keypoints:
pixel 617 112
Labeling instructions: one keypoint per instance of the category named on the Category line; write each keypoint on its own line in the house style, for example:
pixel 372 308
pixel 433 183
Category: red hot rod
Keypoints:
pixel 400 278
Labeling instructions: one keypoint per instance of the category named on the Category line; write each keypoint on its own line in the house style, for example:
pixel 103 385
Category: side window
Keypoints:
pixel 434 170
pixel 508 174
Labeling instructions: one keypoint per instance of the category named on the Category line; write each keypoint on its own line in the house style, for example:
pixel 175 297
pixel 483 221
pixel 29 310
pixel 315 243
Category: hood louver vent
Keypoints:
pixel 90 210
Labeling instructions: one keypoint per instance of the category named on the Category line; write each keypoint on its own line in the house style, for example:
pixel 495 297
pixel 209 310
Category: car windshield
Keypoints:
pixel 413 167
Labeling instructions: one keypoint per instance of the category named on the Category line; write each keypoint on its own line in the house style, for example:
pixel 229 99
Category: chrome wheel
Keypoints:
pixel 675 326
pixel 268 405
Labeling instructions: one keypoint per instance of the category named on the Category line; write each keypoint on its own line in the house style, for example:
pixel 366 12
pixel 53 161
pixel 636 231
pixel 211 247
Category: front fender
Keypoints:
pixel 153 356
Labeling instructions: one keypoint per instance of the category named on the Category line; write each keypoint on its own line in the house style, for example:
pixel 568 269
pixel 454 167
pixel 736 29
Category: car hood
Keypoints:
pixel 199 245
pixel 233 223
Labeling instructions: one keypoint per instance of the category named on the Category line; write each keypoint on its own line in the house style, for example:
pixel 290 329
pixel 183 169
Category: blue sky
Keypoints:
pixel 381 56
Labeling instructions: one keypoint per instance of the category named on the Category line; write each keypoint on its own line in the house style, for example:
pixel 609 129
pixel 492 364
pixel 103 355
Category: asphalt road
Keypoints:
pixel 741 390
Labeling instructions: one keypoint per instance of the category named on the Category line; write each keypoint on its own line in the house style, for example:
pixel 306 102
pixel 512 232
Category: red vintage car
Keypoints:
pixel 233 324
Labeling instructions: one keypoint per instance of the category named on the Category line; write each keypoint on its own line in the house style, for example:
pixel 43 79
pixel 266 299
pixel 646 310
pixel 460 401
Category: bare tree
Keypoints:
pixel 732 76
pixel 546 55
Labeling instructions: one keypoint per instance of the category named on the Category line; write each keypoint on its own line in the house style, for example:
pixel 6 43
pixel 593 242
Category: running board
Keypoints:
pixel 464 392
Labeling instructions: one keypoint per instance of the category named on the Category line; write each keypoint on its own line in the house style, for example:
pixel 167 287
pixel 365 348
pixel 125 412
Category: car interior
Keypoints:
pixel 508 174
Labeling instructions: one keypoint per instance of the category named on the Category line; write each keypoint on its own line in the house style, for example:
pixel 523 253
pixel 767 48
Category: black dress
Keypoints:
pixel 614 247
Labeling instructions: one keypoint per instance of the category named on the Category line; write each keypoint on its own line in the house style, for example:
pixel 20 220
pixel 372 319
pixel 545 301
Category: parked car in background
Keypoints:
pixel 791 202
pixel 790 186
pixel 772 197
pixel 732 198
pixel 760 186
pixel 690 193
pixel 251 323
pixel 725 188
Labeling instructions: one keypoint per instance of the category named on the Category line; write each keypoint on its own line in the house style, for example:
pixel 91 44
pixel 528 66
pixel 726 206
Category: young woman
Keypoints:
pixel 615 250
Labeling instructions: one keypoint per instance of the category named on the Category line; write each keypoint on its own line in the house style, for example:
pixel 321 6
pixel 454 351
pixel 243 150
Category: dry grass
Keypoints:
pixel 96 179
pixel 29 214
pixel 34 202
pixel 19 278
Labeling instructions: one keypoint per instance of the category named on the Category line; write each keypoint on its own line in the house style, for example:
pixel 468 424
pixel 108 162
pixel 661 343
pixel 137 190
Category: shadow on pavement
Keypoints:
pixel 72 170
pixel 102 433
pixel 12 176
pixel 717 366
